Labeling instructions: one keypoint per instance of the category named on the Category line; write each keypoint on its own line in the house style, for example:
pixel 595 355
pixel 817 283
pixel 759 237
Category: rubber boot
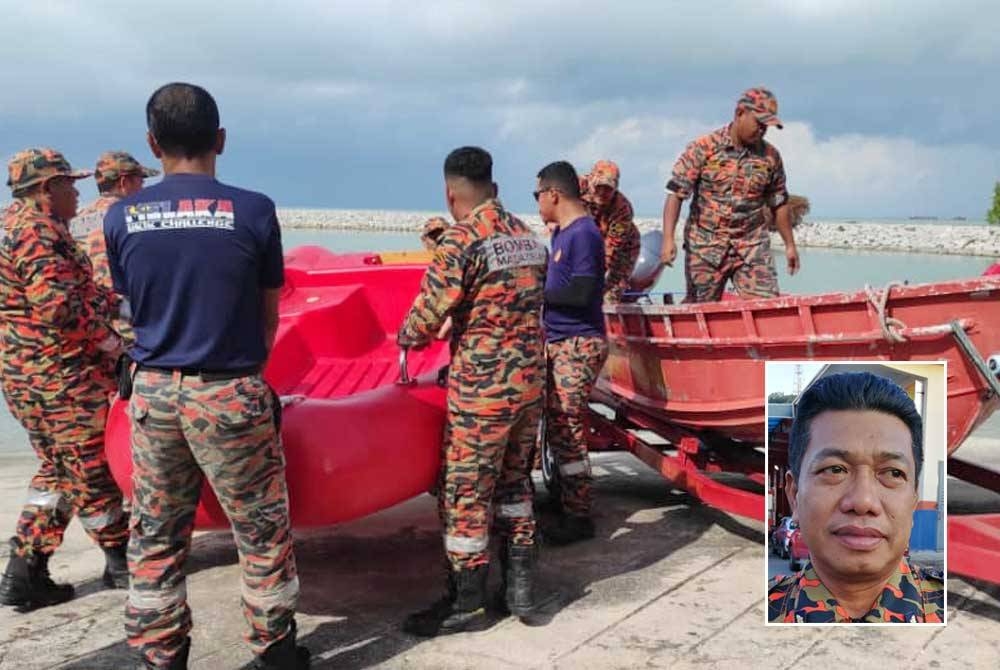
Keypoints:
pixel 179 662
pixel 570 528
pixel 27 585
pixel 284 654
pixel 463 609
pixel 519 579
pixel 115 567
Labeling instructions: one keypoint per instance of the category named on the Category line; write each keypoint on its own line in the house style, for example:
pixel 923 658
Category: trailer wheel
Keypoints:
pixel 550 469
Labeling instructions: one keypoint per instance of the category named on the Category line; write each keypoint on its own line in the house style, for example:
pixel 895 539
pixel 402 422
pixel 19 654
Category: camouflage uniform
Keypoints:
pixel 615 221
pixel 911 595
pixel 573 367
pixel 182 427
pixel 727 236
pixel 487 274
pixel 87 227
pixel 431 232
pixel 55 359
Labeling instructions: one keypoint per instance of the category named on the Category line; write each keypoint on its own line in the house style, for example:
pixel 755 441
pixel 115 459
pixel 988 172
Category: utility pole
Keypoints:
pixel 798 379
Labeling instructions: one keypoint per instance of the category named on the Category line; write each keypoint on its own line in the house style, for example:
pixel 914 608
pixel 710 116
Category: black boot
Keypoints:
pixel 463 609
pixel 180 661
pixel 519 579
pixel 26 583
pixel 570 528
pixel 284 654
pixel 115 567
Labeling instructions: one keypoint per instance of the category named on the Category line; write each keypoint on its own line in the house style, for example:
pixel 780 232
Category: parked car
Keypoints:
pixel 779 537
pixel 798 552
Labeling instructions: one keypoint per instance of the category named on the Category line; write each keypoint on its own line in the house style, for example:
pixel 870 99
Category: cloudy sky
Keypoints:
pixel 891 107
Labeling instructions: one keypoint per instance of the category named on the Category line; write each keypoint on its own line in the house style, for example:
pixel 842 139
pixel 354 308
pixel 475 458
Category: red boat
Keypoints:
pixel 691 374
pixel 698 367
pixel 355 440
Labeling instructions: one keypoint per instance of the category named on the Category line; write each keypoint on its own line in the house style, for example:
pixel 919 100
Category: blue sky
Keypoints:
pixel 890 107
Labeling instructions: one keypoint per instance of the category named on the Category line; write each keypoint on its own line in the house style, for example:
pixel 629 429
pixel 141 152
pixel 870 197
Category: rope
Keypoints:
pixel 891 327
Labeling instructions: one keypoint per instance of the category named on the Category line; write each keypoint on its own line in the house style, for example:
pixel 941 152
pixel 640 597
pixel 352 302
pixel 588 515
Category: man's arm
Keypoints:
pixel 671 212
pixel 783 222
pixel 440 290
pixel 683 179
pixel 271 298
pixel 62 296
pixel 777 200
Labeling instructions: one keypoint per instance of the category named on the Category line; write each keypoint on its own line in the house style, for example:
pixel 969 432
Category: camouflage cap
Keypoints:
pixel 114 164
pixel 763 104
pixel 605 173
pixel 432 230
pixel 35 166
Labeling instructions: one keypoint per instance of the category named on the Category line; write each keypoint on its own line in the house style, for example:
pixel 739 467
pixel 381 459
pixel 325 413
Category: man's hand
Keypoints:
pixel 406 342
pixel 792 257
pixel 445 330
pixel 668 252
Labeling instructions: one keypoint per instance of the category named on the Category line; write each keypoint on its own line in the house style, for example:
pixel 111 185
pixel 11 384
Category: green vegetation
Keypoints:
pixel 993 216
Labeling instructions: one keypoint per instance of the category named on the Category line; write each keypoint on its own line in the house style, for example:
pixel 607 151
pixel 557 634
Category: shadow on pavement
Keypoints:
pixel 361 582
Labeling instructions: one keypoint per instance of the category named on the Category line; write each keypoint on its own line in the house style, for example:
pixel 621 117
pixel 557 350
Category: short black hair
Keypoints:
pixel 562 176
pixel 184 119
pixel 854 391
pixel 472 163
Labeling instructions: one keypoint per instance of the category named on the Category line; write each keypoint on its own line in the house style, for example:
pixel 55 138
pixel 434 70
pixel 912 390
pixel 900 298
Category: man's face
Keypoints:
pixel 749 130
pixel 546 206
pixel 63 197
pixel 131 183
pixel 856 494
pixel 603 194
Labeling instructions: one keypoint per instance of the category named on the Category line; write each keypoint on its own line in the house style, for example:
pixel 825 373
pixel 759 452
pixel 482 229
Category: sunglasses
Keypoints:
pixel 538 193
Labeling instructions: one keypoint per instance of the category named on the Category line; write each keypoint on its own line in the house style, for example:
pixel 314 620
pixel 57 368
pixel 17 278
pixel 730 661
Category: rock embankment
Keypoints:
pixel 937 238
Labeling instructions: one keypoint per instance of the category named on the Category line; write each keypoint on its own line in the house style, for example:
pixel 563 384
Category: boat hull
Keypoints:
pixel 698 366
pixel 355 441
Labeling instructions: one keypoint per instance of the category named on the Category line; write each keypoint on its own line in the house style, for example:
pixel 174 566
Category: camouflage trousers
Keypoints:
pixel 753 276
pixel 66 431
pixel 572 369
pixel 623 251
pixel 182 427
pixel 485 478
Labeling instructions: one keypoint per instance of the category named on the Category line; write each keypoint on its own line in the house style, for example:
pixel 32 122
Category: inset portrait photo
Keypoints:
pixel 856 456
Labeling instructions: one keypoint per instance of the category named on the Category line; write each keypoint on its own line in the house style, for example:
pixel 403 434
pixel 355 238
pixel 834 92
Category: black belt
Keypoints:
pixel 205 375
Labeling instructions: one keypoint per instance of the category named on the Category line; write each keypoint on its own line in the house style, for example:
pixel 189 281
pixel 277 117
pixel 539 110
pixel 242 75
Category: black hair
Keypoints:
pixel 184 119
pixel 854 391
pixel 560 176
pixel 471 163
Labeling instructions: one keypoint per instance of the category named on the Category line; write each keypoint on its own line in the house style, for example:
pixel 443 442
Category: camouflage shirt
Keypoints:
pixel 488 274
pixel 621 237
pixel 729 187
pixel 87 228
pixel 911 595
pixel 52 315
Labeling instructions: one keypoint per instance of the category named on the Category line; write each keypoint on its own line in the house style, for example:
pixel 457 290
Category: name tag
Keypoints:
pixel 505 252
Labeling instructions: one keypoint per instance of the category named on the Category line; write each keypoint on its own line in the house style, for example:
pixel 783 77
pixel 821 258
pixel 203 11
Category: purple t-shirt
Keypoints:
pixel 577 251
pixel 193 256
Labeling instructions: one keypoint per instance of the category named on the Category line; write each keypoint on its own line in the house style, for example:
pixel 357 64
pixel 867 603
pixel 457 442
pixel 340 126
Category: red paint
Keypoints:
pixel 355 442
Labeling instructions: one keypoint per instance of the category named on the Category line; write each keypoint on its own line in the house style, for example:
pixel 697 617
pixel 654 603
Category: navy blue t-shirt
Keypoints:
pixel 193 256
pixel 577 251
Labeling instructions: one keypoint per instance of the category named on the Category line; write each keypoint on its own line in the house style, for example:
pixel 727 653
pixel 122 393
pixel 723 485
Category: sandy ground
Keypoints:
pixel 668 582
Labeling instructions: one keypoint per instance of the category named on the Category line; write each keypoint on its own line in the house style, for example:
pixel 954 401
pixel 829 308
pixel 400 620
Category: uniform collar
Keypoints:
pixel 900 601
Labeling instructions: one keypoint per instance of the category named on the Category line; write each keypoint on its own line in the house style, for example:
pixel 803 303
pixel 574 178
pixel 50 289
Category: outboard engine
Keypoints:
pixel 648 266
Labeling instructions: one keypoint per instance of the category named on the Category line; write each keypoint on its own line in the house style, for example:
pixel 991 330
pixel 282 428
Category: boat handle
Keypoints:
pixel 404 377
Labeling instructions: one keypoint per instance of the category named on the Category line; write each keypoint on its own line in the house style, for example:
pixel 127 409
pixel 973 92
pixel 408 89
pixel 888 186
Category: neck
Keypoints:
pixel 204 164
pixel 570 212
pixel 856 597
pixel 733 136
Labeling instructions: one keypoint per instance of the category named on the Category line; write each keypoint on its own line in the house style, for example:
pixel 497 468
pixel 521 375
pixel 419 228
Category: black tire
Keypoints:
pixel 550 469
